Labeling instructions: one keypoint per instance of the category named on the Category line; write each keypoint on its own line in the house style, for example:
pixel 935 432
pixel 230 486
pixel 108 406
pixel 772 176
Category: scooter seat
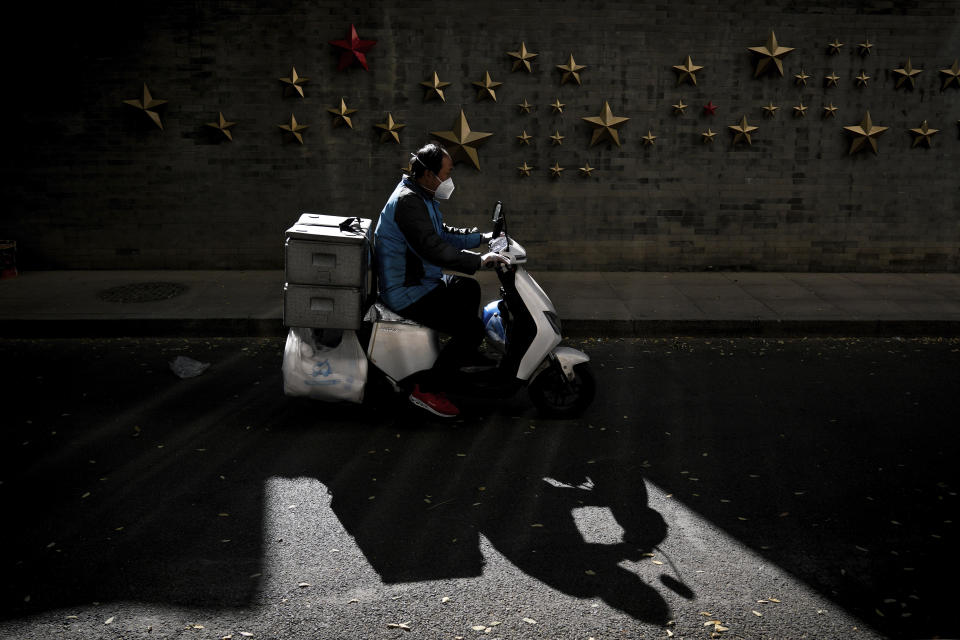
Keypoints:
pixel 379 312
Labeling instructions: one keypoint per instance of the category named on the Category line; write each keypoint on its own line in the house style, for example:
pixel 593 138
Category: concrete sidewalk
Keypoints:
pixel 239 303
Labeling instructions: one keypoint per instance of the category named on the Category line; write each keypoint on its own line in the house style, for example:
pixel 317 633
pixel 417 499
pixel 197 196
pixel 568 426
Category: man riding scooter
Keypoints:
pixel 413 247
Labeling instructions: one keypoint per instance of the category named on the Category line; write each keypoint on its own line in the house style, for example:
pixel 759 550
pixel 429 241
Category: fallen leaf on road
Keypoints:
pixel 721 628
pixel 110 620
pixel 444 599
pixel 757 613
pixel 304 584
pixel 536 525
pixel 530 621
pixel 478 627
pixel 246 634
pixel 773 600
pixel 590 572
pixel 656 562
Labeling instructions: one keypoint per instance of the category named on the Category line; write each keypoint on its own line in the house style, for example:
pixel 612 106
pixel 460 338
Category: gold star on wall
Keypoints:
pixel 524 106
pixel 829 111
pixel 524 138
pixel 558 106
pixel 922 134
pixel 906 74
pixel 606 125
pixel 390 129
pixel 862 79
pixel 460 142
pixel 742 131
pixel 294 82
pixel 951 75
pixel 522 58
pixel 147 104
pixel 223 126
pixel 525 170
pixel 485 88
pixel 800 111
pixel 434 87
pixel 865 133
pixel 555 170
pixel 770 52
pixel 679 108
pixel 864 48
pixel 586 170
pixel 832 80
pixel 833 48
pixel 707 136
pixel 570 71
pixel 770 110
pixel 687 71
pixel 649 139
pixel 557 138
pixel 342 115
pixel 294 128
pixel 801 78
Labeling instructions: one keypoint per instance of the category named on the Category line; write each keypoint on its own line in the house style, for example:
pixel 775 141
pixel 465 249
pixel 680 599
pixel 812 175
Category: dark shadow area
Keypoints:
pixel 126 483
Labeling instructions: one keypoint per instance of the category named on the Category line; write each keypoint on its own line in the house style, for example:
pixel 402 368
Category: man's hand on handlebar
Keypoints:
pixel 491 260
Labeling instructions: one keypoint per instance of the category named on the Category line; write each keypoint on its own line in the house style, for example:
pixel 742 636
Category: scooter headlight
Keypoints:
pixel 554 321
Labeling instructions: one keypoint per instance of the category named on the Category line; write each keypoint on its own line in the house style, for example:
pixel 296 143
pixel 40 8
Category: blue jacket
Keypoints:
pixel 412 246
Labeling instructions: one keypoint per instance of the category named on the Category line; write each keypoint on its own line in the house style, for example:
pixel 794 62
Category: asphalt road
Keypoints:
pixel 745 488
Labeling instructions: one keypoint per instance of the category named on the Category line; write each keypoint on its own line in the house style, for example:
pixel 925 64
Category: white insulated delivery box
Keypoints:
pixel 328 250
pixel 327 264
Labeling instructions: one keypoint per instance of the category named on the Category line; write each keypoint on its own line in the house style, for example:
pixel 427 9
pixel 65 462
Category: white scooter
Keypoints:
pixel 558 379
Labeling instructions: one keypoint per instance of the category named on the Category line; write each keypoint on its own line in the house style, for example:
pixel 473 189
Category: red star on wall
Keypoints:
pixel 710 109
pixel 354 50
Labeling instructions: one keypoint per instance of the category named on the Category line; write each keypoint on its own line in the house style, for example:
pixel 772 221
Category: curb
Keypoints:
pixel 574 328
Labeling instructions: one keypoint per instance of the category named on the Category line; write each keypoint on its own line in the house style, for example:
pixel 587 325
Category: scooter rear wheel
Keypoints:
pixel 556 397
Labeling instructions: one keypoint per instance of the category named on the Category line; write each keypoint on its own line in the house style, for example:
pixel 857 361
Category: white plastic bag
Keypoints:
pixel 324 373
pixel 186 367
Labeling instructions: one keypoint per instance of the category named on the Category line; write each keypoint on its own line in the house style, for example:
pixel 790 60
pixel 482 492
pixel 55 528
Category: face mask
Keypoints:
pixel 444 190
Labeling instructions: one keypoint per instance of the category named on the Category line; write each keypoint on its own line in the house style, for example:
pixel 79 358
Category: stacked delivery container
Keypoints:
pixel 327 272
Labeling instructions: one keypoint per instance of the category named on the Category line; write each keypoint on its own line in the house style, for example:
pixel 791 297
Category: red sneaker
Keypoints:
pixel 435 403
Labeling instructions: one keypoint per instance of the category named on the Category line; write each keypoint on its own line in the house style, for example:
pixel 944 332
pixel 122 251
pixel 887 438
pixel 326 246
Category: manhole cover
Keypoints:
pixel 143 292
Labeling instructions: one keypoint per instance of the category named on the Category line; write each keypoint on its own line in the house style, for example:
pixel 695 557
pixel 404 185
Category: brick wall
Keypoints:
pixel 90 183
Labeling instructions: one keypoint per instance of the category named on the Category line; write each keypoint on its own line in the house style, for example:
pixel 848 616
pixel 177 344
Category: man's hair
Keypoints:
pixel 429 156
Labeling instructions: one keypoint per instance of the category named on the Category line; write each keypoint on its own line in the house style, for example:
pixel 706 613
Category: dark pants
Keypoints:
pixel 452 309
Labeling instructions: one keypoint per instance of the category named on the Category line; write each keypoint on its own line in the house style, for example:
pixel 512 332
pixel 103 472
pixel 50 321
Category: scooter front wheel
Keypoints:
pixel 556 397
